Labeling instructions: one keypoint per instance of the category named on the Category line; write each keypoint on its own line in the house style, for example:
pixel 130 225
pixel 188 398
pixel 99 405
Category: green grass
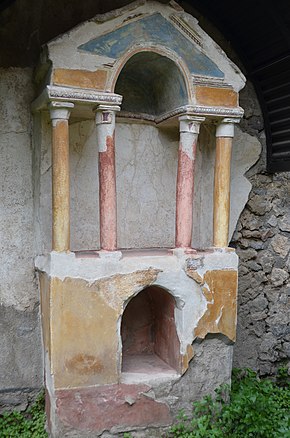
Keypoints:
pixel 28 424
pixel 253 408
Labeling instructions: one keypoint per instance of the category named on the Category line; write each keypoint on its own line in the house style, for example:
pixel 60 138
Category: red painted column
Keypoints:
pixel 105 121
pixel 189 130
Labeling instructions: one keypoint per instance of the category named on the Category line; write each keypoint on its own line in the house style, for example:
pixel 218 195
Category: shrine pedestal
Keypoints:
pixel 125 332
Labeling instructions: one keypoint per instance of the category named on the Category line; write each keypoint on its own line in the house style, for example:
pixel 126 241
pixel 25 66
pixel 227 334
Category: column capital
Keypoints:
pixel 60 110
pixel 226 128
pixel 104 113
pixel 190 123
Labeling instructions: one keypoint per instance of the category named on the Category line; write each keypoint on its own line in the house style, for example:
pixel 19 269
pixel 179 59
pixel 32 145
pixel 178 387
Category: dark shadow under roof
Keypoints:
pixel 259 32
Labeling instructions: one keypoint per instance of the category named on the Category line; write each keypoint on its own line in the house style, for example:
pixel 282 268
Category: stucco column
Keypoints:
pixel 222 177
pixel 59 113
pixel 189 130
pixel 105 121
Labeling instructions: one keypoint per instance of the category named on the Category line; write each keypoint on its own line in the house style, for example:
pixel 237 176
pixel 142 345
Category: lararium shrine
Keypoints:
pixel 133 127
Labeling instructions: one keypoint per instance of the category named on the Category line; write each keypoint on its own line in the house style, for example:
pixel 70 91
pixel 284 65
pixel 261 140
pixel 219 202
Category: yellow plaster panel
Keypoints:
pixel 216 96
pixel 186 358
pixel 220 290
pixel 80 78
pixel 84 345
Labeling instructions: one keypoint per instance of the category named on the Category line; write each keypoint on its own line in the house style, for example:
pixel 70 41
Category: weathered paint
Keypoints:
pixel 184 198
pixel 222 175
pixel 186 358
pixel 189 129
pixel 60 187
pixel 107 196
pixel 105 407
pixel 80 78
pixel 220 290
pixel 154 29
pixel 216 96
pixel 83 349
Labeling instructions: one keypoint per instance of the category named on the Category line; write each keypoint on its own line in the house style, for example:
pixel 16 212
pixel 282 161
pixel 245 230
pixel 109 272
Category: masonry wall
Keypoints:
pixel 263 244
pixel 21 367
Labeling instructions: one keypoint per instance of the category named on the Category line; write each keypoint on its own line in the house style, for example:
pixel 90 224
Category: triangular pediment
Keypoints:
pixel 152 30
pixel 92 54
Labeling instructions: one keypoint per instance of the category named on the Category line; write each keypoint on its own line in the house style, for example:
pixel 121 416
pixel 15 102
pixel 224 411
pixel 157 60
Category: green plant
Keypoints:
pixel 29 424
pixel 254 408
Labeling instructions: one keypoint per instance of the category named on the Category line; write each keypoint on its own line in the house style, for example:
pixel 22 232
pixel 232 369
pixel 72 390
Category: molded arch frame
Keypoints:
pixel 160 50
pixel 160 286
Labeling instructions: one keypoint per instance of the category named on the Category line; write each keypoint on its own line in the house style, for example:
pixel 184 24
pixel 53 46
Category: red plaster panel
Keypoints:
pixel 103 407
pixel 137 326
pixel 148 327
pixel 167 345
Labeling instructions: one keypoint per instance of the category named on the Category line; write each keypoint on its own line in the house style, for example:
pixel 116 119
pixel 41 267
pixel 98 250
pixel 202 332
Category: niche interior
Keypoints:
pixel 151 85
pixel 150 343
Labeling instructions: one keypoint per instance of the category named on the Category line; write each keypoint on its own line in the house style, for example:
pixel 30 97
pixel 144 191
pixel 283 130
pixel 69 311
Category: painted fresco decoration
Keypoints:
pixel 157 30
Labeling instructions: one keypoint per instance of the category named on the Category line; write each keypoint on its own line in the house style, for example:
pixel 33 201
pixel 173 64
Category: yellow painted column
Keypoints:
pixel 59 114
pixel 222 179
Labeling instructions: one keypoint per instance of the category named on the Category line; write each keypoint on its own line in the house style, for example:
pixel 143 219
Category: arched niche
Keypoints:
pixel 150 343
pixel 151 84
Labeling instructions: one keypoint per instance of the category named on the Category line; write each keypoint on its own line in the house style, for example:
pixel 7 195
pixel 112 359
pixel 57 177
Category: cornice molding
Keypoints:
pixel 74 95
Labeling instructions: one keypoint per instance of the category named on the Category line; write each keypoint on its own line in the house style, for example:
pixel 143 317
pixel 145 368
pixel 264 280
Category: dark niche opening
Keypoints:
pixel 150 344
pixel 151 84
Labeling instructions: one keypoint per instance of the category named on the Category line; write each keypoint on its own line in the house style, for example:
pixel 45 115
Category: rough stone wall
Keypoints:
pixel 20 341
pixel 262 242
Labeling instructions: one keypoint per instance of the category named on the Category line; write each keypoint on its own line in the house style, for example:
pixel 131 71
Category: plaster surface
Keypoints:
pixel 16 197
pixel 20 339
